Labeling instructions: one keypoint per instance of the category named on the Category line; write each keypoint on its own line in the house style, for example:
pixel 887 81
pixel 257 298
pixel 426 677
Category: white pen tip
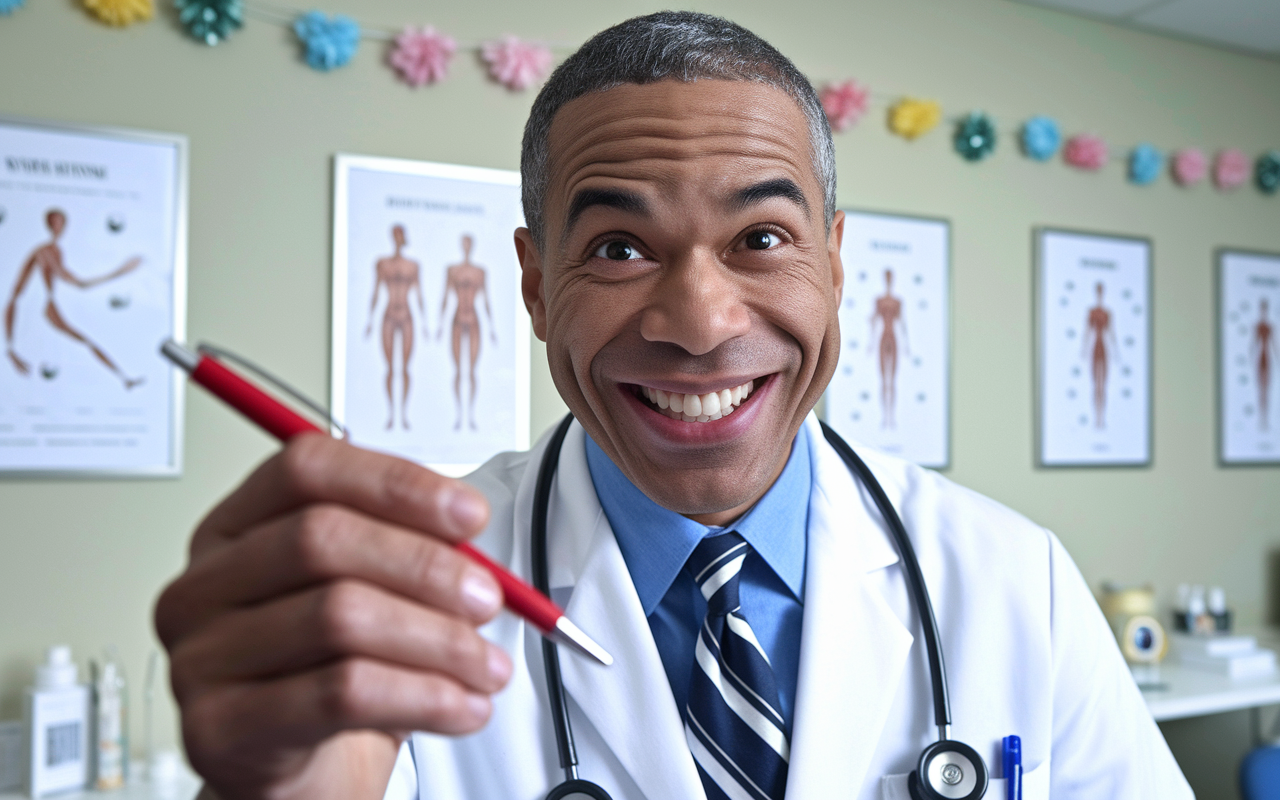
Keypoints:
pixel 570 635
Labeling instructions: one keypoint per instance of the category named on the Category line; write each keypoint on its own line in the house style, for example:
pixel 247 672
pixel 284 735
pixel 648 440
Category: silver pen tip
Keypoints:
pixel 570 635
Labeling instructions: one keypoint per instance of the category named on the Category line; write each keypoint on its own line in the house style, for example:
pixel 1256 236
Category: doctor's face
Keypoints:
pixel 687 288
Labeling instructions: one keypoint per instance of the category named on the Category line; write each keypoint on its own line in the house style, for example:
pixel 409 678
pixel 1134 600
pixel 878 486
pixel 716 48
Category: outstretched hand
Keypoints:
pixel 21 366
pixel 323 614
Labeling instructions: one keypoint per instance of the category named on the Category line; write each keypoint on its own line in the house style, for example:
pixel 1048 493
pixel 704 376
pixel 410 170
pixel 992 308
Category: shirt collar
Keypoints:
pixel 656 542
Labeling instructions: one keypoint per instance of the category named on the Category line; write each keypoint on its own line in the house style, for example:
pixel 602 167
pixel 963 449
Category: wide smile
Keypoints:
pixel 698 408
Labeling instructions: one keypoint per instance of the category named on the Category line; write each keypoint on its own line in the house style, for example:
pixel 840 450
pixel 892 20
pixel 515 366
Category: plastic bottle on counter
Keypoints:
pixel 110 725
pixel 57 727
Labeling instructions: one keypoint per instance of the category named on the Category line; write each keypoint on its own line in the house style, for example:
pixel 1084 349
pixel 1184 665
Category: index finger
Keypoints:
pixel 314 468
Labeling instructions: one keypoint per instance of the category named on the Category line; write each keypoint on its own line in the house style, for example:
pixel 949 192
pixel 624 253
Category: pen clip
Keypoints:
pixel 336 428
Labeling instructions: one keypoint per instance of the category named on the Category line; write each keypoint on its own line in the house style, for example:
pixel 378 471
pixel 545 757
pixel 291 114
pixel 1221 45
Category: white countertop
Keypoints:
pixel 1193 693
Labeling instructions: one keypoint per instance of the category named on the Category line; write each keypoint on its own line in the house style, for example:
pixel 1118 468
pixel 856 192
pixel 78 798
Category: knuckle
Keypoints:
pixel 301 460
pixel 404 483
pixel 467 651
pixel 319 535
pixel 343 615
pixel 345 691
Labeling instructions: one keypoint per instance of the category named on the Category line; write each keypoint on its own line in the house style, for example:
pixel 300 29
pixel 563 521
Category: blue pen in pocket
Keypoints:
pixel 1012 765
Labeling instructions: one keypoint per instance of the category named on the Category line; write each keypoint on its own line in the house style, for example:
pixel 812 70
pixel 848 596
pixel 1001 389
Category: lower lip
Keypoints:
pixel 700 433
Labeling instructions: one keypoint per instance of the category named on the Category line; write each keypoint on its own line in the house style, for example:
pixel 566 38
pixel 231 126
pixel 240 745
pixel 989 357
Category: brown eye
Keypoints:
pixel 762 240
pixel 617 250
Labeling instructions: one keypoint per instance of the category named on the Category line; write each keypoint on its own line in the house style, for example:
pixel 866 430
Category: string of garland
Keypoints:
pixel 421 56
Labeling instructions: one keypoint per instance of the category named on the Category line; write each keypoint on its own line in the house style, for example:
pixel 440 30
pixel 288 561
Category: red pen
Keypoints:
pixel 283 423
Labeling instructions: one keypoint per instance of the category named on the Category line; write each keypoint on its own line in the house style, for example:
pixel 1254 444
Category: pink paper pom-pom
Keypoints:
pixel 845 103
pixel 1231 169
pixel 1085 151
pixel 1189 166
pixel 422 55
pixel 515 64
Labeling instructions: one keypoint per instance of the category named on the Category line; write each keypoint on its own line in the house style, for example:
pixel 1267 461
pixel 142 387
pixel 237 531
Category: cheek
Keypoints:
pixel 581 320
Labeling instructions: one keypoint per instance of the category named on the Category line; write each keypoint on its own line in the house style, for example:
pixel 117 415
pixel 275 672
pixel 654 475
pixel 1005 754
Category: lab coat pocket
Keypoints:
pixel 1035 786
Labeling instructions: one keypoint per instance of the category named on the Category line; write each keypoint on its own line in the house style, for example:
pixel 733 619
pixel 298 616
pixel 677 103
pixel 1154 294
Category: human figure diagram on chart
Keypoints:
pixel 465 281
pixel 888 313
pixel 1262 352
pixel 46 260
pixel 1099 347
pixel 401 276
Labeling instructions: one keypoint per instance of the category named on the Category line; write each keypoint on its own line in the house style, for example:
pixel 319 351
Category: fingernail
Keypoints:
pixel 480 593
pixel 468 509
pixel 499 664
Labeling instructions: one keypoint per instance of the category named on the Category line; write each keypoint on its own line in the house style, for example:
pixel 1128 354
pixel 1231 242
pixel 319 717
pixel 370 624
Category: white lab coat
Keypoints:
pixel 1026 648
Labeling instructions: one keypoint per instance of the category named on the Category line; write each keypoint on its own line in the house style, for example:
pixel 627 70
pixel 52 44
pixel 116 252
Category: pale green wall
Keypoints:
pixel 82 561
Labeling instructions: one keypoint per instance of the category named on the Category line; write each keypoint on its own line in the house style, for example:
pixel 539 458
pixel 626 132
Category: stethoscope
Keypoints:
pixel 947 769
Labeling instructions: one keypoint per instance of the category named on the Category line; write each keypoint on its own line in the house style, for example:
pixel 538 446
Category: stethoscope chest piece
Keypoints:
pixel 577 789
pixel 948 770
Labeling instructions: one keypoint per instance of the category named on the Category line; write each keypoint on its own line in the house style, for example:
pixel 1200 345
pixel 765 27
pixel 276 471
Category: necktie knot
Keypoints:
pixel 716 565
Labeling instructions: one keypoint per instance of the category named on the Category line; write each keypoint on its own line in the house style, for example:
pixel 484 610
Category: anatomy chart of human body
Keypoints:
pixel 890 390
pixel 92 260
pixel 431 340
pixel 1094 328
pixel 1248 357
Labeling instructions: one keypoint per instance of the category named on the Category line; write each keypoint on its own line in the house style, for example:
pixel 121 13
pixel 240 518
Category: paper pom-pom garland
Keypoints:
pixel 845 103
pixel 120 12
pixel 1189 166
pixel 327 42
pixel 911 118
pixel 1266 172
pixel 210 21
pixel 515 64
pixel 1230 169
pixel 975 137
pixel 422 55
pixel 1085 151
pixel 7 7
pixel 1040 138
pixel 1145 163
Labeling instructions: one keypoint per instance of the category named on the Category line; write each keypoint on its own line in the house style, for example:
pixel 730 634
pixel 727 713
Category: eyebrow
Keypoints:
pixel 629 202
pixel 759 192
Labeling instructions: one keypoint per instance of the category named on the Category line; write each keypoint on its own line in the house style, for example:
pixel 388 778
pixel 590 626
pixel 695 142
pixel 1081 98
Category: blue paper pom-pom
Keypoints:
pixel 975 137
pixel 210 21
pixel 329 42
pixel 1266 172
pixel 7 7
pixel 1145 163
pixel 1040 138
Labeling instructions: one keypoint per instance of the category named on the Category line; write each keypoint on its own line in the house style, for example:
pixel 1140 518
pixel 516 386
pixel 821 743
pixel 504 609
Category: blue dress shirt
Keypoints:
pixel 656 543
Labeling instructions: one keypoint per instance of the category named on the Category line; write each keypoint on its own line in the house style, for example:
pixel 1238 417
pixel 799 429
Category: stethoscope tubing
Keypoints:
pixel 565 746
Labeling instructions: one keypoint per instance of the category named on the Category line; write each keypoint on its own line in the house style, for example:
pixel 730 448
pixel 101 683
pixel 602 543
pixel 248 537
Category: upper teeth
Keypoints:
pixel 699 407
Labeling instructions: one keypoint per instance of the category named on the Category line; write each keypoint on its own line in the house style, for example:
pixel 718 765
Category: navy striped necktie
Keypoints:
pixel 732 721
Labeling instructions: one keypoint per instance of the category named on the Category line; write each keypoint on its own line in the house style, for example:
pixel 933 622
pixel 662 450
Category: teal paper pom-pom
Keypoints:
pixel 1145 163
pixel 7 7
pixel 1040 138
pixel 210 21
pixel 975 137
pixel 328 42
pixel 1266 172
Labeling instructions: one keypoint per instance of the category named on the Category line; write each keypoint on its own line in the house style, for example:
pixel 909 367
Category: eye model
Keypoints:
pixel 762 240
pixel 617 250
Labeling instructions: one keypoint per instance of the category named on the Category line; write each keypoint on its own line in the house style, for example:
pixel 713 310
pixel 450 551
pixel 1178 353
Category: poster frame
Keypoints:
pixel 1220 255
pixel 178 321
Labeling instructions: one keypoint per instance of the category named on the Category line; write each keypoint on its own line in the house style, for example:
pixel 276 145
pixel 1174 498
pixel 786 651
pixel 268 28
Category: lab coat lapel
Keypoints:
pixel 854 648
pixel 630 703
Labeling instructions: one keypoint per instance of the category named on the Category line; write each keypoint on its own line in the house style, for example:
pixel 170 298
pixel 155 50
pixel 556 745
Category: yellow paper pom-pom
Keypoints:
pixel 912 118
pixel 120 12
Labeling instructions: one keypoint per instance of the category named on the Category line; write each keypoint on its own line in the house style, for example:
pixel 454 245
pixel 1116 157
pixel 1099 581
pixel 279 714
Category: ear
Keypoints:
pixel 531 281
pixel 834 240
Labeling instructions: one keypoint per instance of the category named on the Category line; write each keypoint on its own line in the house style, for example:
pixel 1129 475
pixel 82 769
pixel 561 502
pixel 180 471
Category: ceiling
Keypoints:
pixel 1249 25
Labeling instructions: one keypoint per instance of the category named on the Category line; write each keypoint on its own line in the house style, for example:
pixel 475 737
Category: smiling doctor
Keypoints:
pixel 682 265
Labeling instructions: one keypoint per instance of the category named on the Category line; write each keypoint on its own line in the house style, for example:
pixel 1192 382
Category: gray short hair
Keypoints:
pixel 668 45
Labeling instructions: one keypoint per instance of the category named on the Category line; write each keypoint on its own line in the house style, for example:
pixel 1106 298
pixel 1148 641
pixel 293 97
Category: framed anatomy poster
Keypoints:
pixel 1248 352
pixel 430 334
pixel 891 389
pixel 93 276
pixel 1093 350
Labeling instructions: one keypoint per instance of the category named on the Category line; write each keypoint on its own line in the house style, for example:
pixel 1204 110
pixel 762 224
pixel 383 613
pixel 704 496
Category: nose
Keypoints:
pixel 696 305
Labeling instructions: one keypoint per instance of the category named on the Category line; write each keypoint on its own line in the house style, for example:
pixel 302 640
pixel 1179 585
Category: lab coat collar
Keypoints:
pixel 854 651
pixel 631 700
